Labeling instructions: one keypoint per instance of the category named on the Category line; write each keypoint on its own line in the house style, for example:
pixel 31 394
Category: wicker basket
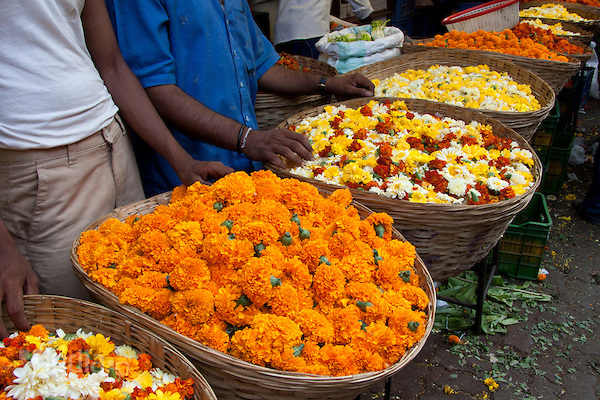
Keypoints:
pixel 493 16
pixel 450 238
pixel 555 73
pixel 271 109
pixel 585 36
pixel 583 57
pixel 69 314
pixel 524 123
pixel 232 378
pixel 587 12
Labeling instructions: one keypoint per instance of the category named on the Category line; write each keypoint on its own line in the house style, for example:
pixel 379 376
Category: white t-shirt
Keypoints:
pixel 304 19
pixel 50 92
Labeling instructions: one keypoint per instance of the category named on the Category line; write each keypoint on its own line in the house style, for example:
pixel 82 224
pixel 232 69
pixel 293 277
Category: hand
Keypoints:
pixel 16 278
pixel 354 85
pixel 202 171
pixel 267 146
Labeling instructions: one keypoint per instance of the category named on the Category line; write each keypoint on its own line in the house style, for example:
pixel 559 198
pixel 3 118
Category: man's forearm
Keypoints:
pixel 191 117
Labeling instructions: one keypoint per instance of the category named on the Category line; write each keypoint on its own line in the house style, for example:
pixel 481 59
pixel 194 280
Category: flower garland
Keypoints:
pixel 269 271
pixel 472 87
pixel 37 365
pixel 556 29
pixel 386 149
pixel 502 42
pixel 552 11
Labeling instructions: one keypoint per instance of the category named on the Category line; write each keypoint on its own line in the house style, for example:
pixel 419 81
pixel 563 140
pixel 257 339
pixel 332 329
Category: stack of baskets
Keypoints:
pixel 232 378
pixel 555 73
pixel 587 12
pixel 271 109
pixel 524 123
pixel 68 314
pixel 450 238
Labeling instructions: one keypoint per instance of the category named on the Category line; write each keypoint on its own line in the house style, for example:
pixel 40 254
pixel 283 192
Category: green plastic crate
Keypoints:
pixel 542 138
pixel 521 248
pixel 555 170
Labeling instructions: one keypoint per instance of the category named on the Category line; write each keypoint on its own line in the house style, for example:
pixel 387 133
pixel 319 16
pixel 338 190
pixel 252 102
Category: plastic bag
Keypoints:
pixel 346 56
pixel 593 62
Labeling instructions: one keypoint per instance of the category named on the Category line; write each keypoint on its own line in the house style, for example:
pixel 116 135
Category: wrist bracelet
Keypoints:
pixel 245 137
pixel 239 140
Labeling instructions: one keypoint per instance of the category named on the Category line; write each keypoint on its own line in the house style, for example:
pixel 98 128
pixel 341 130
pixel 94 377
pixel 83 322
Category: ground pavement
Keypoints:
pixel 553 352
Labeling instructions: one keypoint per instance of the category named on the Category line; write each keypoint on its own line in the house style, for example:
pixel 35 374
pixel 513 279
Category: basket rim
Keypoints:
pixel 478 11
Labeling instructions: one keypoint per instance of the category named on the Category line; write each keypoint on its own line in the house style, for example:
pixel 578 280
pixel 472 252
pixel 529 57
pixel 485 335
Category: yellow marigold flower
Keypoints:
pixel 100 345
pixel 491 384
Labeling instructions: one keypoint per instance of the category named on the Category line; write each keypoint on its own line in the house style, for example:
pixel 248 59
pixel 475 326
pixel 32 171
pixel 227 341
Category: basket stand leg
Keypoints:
pixel 485 272
pixel 388 390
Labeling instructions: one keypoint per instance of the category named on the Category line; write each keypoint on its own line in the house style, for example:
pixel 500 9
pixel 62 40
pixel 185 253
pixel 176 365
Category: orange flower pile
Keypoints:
pixel 503 42
pixel 290 62
pixel 269 271
pixel 547 38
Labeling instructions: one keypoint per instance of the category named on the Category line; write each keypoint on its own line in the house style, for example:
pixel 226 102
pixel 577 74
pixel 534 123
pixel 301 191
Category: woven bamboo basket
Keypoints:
pixel 585 36
pixel 450 238
pixel 524 123
pixel 555 73
pixel 69 314
pixel 587 12
pixel 232 378
pixel 271 109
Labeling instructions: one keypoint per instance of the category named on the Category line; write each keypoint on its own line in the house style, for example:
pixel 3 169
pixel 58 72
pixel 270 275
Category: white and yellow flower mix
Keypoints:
pixel 472 87
pixel 556 29
pixel 553 11
pixel 387 149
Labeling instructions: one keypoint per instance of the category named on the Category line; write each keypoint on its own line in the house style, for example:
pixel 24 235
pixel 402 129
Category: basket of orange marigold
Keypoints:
pixel 272 289
pixel 554 68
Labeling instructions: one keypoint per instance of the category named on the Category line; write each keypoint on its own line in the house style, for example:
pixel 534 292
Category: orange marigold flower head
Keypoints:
pixel 156 303
pixel 453 339
pixel 196 305
pixel 234 188
pixel 191 273
pixel 328 283
pixel 38 330
pixel 285 301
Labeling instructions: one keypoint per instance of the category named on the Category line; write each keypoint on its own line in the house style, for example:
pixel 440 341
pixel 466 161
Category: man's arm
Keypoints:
pixel 286 81
pixel 16 278
pixel 133 103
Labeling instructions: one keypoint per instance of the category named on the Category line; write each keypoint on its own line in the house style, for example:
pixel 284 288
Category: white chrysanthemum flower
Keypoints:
pixel 129 386
pixel 517 179
pixel 87 387
pixel 43 375
pixel 82 334
pixel 457 186
pixel 496 184
pixel 161 378
pixel 125 351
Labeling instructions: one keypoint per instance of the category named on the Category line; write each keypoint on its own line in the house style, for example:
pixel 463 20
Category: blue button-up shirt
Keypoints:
pixel 215 53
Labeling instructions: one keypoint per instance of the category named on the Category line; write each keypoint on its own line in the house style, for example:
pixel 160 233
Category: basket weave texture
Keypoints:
pixel 524 123
pixel 271 109
pixel 232 378
pixel 69 314
pixel 587 12
pixel 450 238
pixel 555 73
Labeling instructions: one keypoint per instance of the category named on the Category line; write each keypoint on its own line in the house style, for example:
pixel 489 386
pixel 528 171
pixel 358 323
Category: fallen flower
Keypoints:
pixel 491 384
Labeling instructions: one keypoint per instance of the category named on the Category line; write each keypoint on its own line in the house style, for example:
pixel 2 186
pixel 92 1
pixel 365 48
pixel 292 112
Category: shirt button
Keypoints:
pixel 241 84
pixel 235 53
pixel 247 118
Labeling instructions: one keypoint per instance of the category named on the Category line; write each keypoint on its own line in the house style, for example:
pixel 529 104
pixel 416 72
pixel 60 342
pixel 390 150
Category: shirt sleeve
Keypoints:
pixel 265 54
pixel 361 8
pixel 150 59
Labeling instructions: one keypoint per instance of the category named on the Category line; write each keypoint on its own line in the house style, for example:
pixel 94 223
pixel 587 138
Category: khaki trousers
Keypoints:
pixel 49 196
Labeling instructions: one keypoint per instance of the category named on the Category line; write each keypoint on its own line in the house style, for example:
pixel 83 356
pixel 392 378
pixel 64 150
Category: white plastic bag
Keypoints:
pixel 346 56
pixel 593 62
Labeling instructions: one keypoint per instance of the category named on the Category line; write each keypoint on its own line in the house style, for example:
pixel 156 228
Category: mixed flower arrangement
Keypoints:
pixel 473 87
pixel 502 42
pixel 552 11
pixel 37 365
pixel 547 38
pixel 556 29
pixel 384 148
pixel 269 271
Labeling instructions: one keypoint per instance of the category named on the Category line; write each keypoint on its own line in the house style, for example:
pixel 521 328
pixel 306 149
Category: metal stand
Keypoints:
pixel 485 272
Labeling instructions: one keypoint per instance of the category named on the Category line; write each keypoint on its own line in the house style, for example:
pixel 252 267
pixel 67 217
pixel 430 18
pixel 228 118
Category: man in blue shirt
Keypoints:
pixel 202 63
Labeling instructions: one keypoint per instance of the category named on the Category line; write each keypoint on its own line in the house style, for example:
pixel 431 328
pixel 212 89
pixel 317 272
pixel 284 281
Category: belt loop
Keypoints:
pixel 72 153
